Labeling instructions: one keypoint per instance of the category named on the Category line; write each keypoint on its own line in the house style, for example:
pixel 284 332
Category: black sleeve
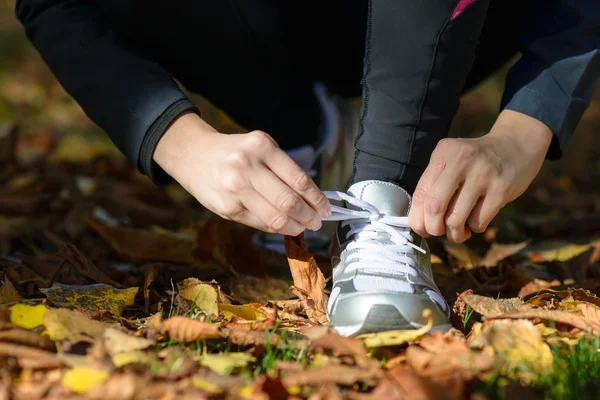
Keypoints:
pixel 132 98
pixel 554 80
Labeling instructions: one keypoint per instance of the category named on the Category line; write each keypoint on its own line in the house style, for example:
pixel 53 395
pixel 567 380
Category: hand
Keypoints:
pixel 468 181
pixel 244 177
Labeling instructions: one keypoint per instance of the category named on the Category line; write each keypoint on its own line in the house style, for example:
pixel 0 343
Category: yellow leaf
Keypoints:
pixel 91 298
pixel 561 254
pixel 130 357
pixel 120 342
pixel 66 324
pixel 224 363
pixel 395 338
pixel 243 312
pixel 545 330
pixel 82 379
pixel 205 385
pixel 27 316
pixel 203 294
pixel 8 293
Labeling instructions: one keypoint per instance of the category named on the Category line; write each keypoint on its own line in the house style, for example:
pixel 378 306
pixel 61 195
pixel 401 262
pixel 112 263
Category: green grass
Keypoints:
pixel 576 375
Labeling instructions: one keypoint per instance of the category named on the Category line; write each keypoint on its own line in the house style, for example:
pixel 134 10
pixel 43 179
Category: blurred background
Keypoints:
pixel 563 201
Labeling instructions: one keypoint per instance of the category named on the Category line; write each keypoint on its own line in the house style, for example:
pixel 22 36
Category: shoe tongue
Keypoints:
pixel 387 197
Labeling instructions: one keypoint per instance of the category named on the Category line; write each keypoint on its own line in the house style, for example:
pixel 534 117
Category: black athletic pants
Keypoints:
pixel 257 60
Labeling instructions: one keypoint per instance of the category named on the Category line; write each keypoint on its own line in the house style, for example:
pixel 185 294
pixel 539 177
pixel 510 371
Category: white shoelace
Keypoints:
pixel 366 223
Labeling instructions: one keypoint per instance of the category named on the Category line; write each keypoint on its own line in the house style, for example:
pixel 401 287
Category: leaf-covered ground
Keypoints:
pixel 111 288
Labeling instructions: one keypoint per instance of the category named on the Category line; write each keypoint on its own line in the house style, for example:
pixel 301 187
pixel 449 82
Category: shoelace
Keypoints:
pixel 366 223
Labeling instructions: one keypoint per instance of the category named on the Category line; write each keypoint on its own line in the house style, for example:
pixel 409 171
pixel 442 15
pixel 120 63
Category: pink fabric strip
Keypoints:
pixel 460 7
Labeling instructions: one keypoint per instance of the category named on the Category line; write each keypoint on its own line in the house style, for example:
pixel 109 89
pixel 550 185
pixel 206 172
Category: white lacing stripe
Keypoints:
pixel 366 222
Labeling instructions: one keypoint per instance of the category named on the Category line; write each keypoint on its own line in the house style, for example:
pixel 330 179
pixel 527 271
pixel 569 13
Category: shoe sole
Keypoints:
pixel 382 318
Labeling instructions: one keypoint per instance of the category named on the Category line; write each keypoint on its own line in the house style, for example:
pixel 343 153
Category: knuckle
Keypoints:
pixel 230 210
pixel 433 205
pixel 302 182
pixel 454 222
pixel 420 194
pixel 289 202
pixel 467 150
pixel 233 183
pixel 260 140
pixel 238 160
pixel 278 222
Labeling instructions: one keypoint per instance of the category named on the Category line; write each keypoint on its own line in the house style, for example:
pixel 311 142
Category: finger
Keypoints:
pixel 297 179
pixel 483 213
pixel 438 197
pixel 271 219
pixel 416 217
pixel 458 212
pixel 285 199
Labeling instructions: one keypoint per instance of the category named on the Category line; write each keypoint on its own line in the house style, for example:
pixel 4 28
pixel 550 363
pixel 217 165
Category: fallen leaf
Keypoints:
pixel 398 337
pixel 402 382
pixel 203 294
pixel 307 278
pixel 563 253
pixel 205 385
pixel 27 316
pixel 140 245
pixel 535 286
pixel 225 363
pixel 464 257
pixel 583 308
pixel 499 252
pixel 8 293
pixel 243 312
pixel 131 357
pixel 91 298
pixel 119 342
pixel 443 355
pixel 558 316
pixel 68 252
pixel 29 357
pixel 27 338
pixel 63 324
pixel 490 307
pixel 82 379
pixel 340 374
pixel 188 330
pixel 519 343
pixel 259 290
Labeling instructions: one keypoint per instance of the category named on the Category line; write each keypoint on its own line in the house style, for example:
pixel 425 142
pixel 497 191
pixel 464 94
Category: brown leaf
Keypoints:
pixel 402 382
pixel 27 338
pixel 535 286
pixel 340 374
pixel 259 290
pixel 499 252
pixel 149 277
pixel 29 357
pixel 463 257
pixel 140 245
pixel 188 330
pixel 561 317
pixel 69 253
pixel 549 298
pixel 249 338
pixel 443 355
pixel 8 293
pixel 489 307
pixel 309 282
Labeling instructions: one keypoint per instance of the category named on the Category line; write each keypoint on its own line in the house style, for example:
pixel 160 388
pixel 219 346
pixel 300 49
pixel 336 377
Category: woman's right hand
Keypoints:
pixel 242 177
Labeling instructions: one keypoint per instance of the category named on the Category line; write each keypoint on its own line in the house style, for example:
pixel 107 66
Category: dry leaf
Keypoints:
pixel 465 257
pixel 68 252
pixel 70 325
pixel 564 253
pixel 398 337
pixel 561 317
pixel 118 342
pixel 519 343
pixel 27 338
pixel 244 312
pixel 82 379
pixel 27 316
pixel 535 286
pixel 402 382
pixel 499 252
pixel 29 357
pixel 203 294
pixel 131 357
pixel 225 363
pixel 91 298
pixel 188 330
pixel 340 374
pixel 259 290
pixel 307 278
pixel 489 307
pixel 8 293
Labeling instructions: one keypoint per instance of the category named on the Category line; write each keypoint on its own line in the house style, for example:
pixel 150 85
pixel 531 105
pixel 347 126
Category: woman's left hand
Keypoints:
pixel 468 181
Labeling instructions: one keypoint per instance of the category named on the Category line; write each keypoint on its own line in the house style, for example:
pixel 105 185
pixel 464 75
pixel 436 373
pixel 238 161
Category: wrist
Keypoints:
pixel 179 139
pixel 525 130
